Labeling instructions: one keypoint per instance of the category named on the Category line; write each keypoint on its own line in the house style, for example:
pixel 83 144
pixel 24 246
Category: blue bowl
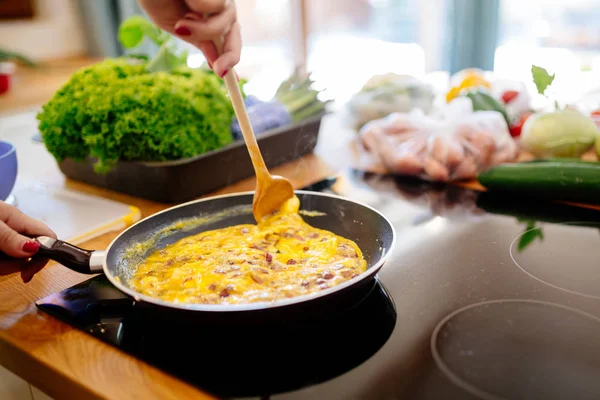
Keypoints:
pixel 8 168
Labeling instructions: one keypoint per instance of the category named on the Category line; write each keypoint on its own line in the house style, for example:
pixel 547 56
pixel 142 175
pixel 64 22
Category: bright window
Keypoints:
pixel 562 36
pixel 348 41
pixel 267 57
pixel 351 40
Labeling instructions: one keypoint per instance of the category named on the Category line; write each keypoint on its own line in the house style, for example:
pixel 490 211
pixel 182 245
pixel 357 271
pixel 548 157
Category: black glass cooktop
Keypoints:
pixel 485 297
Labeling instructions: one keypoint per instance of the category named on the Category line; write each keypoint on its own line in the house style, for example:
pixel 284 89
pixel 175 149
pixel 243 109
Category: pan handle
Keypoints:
pixel 72 257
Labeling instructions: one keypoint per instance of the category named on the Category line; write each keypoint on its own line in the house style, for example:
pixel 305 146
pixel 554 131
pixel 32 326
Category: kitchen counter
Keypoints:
pixel 67 363
pixel 30 87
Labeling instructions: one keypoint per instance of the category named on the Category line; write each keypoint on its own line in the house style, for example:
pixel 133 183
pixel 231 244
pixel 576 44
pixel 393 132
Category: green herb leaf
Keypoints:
pixel 133 30
pixel 531 233
pixel 167 60
pixel 136 56
pixel 541 78
pixel 161 61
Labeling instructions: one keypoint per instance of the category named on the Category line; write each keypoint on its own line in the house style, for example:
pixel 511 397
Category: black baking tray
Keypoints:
pixel 186 179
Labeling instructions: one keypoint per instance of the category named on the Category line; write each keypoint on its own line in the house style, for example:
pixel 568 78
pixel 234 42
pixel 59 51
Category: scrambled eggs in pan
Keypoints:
pixel 279 258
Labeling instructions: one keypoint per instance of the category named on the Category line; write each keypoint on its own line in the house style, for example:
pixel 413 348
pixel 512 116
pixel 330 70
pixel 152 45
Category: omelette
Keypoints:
pixel 281 257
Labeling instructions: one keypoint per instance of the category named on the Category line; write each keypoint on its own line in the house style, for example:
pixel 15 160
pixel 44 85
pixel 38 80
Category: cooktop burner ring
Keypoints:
pixel 513 256
pixel 477 391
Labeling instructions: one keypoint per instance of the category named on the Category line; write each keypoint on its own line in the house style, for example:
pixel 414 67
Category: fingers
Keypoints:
pixel 210 52
pixel 24 224
pixel 16 245
pixel 15 227
pixel 232 49
pixel 208 6
pixel 164 13
pixel 195 29
pixel 201 32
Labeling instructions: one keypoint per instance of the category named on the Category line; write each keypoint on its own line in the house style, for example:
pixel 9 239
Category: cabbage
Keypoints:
pixel 563 133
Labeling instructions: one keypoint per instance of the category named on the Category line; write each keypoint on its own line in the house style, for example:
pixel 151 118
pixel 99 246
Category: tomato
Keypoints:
pixel 515 129
pixel 509 96
pixel 4 83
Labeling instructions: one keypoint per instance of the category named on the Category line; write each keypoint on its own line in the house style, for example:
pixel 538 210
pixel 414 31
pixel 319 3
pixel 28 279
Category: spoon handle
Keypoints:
pixel 244 120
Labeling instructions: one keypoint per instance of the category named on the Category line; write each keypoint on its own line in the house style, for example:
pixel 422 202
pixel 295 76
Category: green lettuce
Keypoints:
pixel 119 110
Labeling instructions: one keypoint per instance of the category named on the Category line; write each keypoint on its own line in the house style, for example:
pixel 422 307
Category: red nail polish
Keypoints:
pixel 224 73
pixel 31 247
pixel 183 31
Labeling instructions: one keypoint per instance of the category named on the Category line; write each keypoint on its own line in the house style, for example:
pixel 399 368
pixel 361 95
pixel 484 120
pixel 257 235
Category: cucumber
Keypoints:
pixel 562 160
pixel 536 210
pixel 553 180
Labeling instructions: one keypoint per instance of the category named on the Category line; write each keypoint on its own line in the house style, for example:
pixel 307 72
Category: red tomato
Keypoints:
pixel 4 83
pixel 509 96
pixel 515 129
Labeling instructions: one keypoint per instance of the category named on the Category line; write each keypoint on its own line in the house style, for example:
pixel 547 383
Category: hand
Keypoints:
pixel 185 19
pixel 14 225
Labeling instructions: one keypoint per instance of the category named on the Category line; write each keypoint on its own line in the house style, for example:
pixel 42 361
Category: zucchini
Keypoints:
pixel 553 180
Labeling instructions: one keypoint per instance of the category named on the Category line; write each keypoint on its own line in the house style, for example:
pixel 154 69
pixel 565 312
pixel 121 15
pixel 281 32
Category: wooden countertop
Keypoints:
pixel 30 87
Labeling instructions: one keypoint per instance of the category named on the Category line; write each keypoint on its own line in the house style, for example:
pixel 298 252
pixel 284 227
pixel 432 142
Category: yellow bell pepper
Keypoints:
pixel 470 81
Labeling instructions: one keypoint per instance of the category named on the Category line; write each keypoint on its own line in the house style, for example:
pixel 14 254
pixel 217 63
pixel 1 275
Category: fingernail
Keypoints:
pixel 183 31
pixel 224 73
pixel 31 246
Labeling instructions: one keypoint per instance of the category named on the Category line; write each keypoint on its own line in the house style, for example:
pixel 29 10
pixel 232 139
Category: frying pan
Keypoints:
pixel 371 231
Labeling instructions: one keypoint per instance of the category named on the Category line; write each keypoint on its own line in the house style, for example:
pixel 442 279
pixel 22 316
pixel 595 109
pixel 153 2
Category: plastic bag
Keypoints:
pixel 385 94
pixel 456 145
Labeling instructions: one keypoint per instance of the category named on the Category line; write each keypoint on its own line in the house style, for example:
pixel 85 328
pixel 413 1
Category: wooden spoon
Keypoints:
pixel 271 190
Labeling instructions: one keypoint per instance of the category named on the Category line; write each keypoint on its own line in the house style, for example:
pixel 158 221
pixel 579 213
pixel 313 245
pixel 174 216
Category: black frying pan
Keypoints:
pixel 372 232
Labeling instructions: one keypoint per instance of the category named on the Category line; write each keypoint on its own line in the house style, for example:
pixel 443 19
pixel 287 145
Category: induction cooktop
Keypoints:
pixel 485 297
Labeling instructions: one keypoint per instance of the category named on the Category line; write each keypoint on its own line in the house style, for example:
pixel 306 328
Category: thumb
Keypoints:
pixel 16 245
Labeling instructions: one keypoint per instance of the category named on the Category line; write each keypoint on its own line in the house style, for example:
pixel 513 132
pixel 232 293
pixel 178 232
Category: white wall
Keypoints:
pixel 54 33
